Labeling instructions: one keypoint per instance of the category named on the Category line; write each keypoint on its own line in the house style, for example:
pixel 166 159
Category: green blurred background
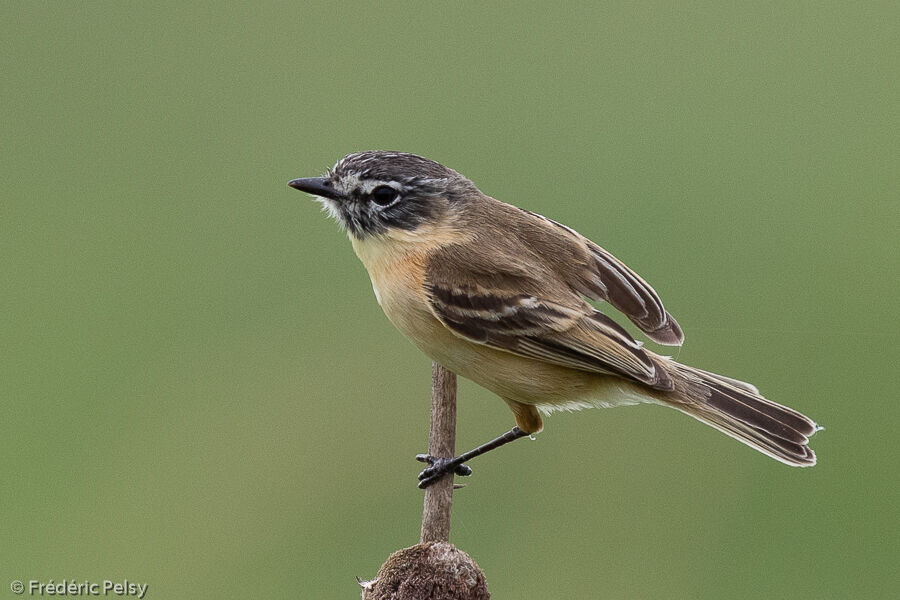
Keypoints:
pixel 200 392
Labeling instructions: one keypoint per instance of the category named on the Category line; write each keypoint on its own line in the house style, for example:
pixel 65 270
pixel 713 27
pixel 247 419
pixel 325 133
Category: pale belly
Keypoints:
pixel 510 376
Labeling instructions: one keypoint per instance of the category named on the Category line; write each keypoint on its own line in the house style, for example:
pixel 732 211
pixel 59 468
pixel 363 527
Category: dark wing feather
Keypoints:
pixel 601 276
pixel 563 331
pixel 628 292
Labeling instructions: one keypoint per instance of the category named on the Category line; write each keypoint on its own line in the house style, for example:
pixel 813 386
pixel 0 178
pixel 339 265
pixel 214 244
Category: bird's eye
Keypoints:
pixel 384 195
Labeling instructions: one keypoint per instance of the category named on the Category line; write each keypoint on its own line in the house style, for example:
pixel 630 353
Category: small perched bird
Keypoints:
pixel 498 294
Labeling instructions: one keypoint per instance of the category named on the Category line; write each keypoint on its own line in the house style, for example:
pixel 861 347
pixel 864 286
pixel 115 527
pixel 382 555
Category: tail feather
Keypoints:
pixel 749 411
pixel 738 410
pixel 795 455
pixel 747 387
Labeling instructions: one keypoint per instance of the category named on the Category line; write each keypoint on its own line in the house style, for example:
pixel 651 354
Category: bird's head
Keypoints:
pixel 376 191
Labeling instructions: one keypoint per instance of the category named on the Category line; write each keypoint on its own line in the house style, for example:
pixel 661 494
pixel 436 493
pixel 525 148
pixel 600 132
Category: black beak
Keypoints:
pixel 317 186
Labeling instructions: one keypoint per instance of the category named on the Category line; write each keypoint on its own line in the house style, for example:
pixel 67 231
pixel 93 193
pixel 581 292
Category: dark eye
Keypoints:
pixel 384 195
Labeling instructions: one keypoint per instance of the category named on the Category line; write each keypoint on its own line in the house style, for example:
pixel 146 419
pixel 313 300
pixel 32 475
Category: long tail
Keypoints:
pixel 737 409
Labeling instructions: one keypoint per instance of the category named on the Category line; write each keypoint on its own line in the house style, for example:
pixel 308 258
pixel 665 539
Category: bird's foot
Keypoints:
pixel 438 467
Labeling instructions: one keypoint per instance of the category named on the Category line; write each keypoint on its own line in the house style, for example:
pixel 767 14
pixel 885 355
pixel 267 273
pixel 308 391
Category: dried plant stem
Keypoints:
pixel 442 443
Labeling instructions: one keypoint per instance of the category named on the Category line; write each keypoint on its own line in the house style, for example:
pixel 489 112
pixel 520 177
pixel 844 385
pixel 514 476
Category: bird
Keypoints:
pixel 503 296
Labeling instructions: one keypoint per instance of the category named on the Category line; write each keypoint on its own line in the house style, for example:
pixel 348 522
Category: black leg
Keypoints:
pixel 441 466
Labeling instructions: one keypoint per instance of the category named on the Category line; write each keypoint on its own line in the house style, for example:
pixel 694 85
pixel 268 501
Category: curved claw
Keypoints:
pixel 439 467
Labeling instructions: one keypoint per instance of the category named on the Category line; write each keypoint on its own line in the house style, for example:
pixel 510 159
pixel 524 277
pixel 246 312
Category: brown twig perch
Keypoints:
pixel 441 442
pixel 433 569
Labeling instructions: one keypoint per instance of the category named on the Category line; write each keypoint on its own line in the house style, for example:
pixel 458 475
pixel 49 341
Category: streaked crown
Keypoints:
pixel 370 192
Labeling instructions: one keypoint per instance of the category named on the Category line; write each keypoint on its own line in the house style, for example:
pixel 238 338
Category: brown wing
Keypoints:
pixel 624 289
pixel 599 275
pixel 506 309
